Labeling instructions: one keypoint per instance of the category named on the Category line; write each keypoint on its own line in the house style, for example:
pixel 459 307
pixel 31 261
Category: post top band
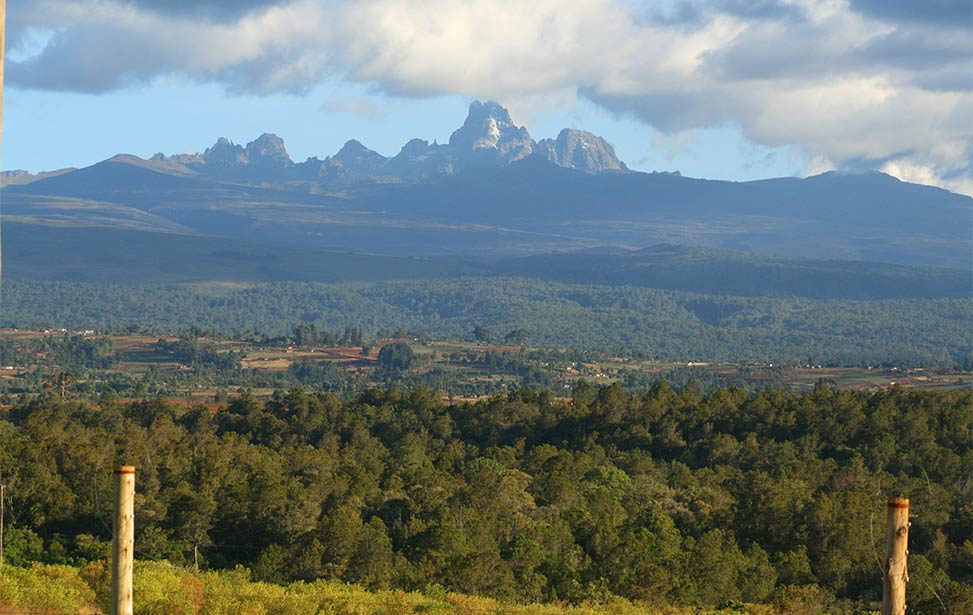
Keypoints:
pixel 125 470
pixel 898 503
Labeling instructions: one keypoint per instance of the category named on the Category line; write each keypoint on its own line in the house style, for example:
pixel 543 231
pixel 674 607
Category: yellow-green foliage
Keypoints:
pixel 163 589
pixel 44 590
pixel 232 593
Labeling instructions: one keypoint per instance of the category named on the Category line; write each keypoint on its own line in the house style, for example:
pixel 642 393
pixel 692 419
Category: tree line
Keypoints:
pixel 640 321
pixel 662 497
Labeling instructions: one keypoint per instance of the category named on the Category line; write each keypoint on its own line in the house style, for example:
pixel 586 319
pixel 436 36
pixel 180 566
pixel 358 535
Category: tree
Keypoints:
pixel 396 357
pixel 481 333
pixel 517 336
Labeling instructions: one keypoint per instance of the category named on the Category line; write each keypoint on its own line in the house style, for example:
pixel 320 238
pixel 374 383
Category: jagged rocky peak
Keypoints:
pixel 419 158
pixel 415 148
pixel 489 130
pixel 225 153
pixel 357 158
pixel 488 137
pixel 354 148
pixel 268 150
pixel 581 150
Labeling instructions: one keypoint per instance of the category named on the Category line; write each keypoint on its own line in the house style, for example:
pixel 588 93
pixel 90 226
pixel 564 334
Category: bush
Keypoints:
pixel 163 589
pixel 232 593
pixel 45 590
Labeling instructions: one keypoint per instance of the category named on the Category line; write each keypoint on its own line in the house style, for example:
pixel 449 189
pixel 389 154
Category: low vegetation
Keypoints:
pixel 164 589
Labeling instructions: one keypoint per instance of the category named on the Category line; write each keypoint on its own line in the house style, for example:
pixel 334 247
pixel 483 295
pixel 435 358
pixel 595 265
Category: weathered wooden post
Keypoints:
pixel 3 44
pixel 123 541
pixel 896 573
pixel 2 489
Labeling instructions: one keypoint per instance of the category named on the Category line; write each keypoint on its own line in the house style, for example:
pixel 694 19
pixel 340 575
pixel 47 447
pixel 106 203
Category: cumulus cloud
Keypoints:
pixel 850 82
pixel 916 172
pixel 952 13
pixel 221 10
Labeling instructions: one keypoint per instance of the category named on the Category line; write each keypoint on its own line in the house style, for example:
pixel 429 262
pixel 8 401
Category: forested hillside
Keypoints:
pixel 664 497
pixel 627 319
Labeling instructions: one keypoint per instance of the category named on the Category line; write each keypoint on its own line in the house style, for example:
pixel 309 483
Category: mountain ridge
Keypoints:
pixel 488 136
pixel 493 192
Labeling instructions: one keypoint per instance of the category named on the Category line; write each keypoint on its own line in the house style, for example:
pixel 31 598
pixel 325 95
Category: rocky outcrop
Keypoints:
pixel 358 159
pixel 267 151
pixel 489 136
pixel 577 149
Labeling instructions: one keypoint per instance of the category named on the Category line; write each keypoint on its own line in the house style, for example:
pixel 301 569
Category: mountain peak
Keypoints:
pixel 489 136
pixel 582 150
pixel 268 150
pixel 224 153
pixel 352 146
pixel 489 109
pixel 357 158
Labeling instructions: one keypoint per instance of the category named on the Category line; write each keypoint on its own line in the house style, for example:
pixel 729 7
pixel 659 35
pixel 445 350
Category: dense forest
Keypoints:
pixel 665 497
pixel 627 319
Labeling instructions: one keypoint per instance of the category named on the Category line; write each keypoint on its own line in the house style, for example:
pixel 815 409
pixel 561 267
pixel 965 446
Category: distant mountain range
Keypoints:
pixel 488 137
pixel 491 193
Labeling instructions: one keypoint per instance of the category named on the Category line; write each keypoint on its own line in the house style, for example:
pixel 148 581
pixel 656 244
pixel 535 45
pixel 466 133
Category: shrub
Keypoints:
pixel 45 590
pixel 163 589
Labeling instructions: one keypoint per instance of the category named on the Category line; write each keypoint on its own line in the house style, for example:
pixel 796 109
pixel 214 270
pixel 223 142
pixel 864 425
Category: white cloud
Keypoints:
pixel 846 87
pixel 910 170
pixel 818 165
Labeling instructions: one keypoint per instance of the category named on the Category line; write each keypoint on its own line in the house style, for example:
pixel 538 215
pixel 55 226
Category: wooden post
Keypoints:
pixel 896 573
pixel 3 44
pixel 2 489
pixel 3 36
pixel 123 541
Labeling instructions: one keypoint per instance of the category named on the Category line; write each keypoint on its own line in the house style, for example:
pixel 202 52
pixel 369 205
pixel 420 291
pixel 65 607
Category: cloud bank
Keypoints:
pixel 853 83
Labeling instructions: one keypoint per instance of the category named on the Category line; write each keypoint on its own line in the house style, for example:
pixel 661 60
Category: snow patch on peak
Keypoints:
pixel 491 135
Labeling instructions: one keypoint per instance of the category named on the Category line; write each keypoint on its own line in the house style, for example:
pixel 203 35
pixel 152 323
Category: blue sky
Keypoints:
pixel 713 88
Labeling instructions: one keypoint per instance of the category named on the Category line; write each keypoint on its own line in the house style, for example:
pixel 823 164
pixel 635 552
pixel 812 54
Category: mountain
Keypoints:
pixel 360 160
pixel 128 256
pixel 731 272
pixel 224 153
pixel 488 137
pixel 20 177
pixel 268 151
pixel 577 149
pixel 418 158
pixel 491 193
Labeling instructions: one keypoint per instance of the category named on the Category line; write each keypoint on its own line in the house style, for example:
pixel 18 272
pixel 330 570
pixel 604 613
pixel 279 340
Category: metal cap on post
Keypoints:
pixel 896 573
pixel 123 541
